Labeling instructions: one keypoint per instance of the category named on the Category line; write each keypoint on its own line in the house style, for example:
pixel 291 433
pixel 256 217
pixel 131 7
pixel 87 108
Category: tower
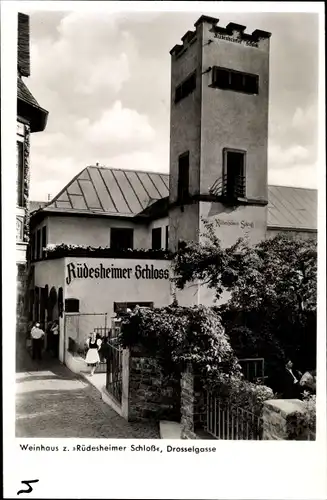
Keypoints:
pixel 219 133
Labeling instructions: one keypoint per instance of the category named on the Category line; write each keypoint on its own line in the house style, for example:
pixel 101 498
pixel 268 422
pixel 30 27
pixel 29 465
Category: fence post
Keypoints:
pixel 125 383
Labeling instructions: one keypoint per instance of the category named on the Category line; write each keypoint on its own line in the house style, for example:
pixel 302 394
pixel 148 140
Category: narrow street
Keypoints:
pixel 52 402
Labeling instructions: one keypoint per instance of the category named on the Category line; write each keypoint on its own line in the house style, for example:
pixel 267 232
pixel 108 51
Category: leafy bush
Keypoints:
pixel 182 335
pixel 239 392
pixel 310 403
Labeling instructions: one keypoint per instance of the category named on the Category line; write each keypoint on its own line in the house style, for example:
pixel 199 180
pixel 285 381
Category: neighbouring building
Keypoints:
pixel 31 118
pixel 218 171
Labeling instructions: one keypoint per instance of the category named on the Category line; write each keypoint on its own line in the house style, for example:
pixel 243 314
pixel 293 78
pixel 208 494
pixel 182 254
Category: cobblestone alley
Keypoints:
pixel 52 402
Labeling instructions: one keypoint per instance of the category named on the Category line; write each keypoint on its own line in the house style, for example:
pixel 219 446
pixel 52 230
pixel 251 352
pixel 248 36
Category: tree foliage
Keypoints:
pixel 277 273
pixel 271 311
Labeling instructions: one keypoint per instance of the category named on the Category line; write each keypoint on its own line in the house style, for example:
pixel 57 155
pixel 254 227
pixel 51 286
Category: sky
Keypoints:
pixel 105 80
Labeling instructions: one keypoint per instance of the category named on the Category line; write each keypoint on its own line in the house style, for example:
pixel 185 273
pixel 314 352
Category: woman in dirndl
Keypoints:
pixel 92 355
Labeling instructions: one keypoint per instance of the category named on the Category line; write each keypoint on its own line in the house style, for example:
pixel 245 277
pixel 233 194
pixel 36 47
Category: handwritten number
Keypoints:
pixel 28 483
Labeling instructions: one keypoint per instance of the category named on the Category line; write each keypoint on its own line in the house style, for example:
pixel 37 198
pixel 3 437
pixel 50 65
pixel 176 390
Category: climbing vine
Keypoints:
pixel 180 336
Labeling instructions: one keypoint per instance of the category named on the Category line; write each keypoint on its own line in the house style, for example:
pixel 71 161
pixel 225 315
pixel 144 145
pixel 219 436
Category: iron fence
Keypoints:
pixel 114 372
pixel 229 422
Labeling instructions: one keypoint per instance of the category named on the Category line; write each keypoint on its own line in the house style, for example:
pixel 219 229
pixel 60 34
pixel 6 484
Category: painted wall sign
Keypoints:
pixel 243 224
pixel 83 271
pixel 250 43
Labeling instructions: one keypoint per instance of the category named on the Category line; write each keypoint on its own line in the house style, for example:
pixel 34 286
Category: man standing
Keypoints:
pixel 37 335
pixel 291 389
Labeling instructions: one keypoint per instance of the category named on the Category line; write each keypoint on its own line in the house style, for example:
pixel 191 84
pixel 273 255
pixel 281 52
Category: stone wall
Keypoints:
pixel 151 393
pixel 187 405
pixel 284 419
pixel 192 405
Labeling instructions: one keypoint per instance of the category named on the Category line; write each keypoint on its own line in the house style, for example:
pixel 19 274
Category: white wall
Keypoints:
pixel 232 223
pixel 49 272
pixel 97 295
pixel 93 231
pixel 45 222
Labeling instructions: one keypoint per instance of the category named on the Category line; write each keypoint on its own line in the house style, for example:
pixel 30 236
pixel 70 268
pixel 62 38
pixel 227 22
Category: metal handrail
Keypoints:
pixel 220 187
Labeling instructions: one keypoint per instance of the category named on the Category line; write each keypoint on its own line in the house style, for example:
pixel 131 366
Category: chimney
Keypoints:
pixel 49 197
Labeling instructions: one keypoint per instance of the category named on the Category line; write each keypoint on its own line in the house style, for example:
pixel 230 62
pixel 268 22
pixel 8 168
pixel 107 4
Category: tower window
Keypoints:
pixel 185 88
pixel 156 238
pixel 234 174
pixel 228 79
pixel 121 238
pixel 183 176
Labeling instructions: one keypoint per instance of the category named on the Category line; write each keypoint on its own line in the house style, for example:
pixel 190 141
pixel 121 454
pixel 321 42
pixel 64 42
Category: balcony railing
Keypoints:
pixel 229 188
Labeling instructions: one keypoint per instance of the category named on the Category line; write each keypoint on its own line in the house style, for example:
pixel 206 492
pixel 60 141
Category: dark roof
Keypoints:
pixel 127 193
pixel 23 53
pixel 24 94
pixel 29 108
pixel 111 191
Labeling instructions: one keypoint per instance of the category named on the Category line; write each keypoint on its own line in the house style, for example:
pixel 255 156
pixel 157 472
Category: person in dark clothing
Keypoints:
pixel 104 350
pixel 291 384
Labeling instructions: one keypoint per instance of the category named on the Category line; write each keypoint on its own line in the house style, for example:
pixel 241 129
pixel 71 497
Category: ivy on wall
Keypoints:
pixel 181 335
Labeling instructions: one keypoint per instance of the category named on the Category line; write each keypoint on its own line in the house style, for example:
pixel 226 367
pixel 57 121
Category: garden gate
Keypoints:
pixel 77 328
pixel 114 363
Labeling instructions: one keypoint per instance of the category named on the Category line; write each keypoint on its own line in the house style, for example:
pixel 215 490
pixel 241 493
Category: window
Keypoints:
pixel 185 88
pixel 43 240
pixel 20 173
pixel 228 79
pixel 38 244
pixel 183 176
pixel 121 238
pixel 167 237
pixel 156 238
pixel 234 173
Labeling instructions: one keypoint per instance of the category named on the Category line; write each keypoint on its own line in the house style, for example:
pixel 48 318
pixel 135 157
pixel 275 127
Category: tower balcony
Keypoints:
pixel 229 188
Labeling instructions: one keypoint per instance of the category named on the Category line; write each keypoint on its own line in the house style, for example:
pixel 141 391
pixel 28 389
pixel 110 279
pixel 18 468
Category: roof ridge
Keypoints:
pixel 128 170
